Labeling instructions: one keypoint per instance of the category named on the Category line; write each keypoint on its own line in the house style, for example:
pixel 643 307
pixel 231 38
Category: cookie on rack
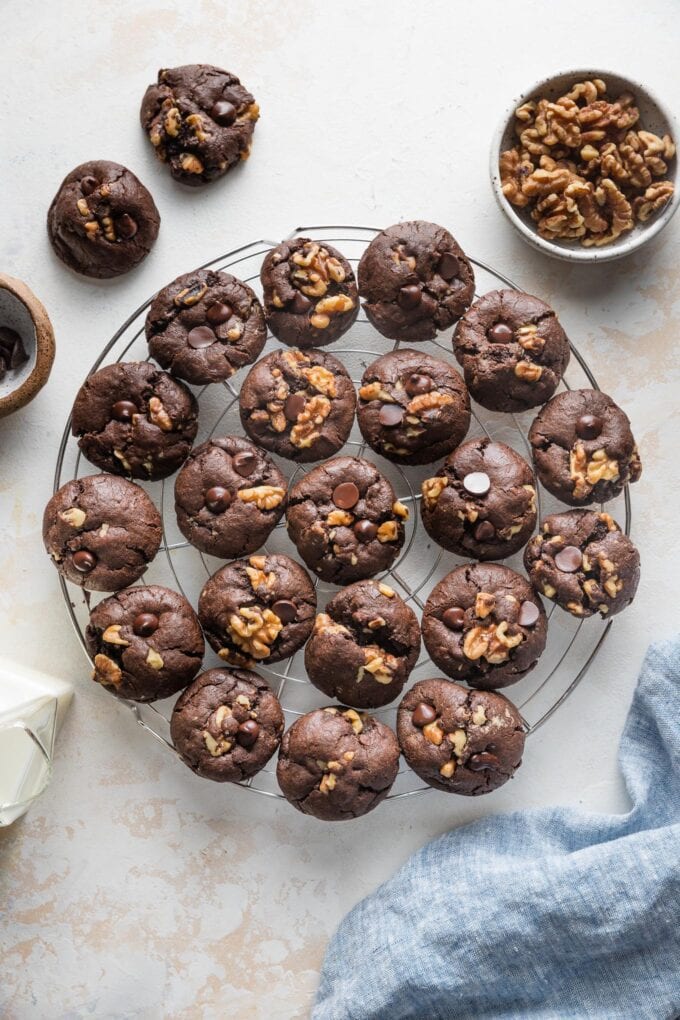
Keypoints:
pixel 101 532
pixel 227 725
pixel 482 501
pixel 259 609
pixel 583 448
pixel 132 419
pixel 336 763
pixel 458 740
pixel 363 646
pixel 204 326
pixel 513 350
pixel 310 294
pixel 146 643
pixel 200 121
pixel 229 496
pixel 345 520
pixel 413 408
pixel 415 280
pixel 298 404
pixel 582 560
pixel 484 624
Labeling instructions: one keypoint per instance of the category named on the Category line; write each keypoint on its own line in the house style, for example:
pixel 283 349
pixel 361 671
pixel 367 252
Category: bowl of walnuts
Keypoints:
pixel 584 166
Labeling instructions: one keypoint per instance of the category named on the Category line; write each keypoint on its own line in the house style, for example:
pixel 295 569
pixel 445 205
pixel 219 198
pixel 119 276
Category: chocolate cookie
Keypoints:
pixel 227 725
pixel 413 408
pixel 345 521
pixel 102 221
pixel 583 561
pixel 482 502
pixel 583 448
pixel 512 349
pixel 310 294
pixel 335 763
pixel 457 740
pixel 132 419
pixel 101 532
pixel 364 645
pixel 204 326
pixel 200 121
pixel 146 643
pixel 298 405
pixel 229 496
pixel 483 624
pixel 416 280
pixel 257 610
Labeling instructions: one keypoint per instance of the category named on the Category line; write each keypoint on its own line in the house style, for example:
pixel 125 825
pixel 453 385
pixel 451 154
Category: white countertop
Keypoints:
pixel 134 889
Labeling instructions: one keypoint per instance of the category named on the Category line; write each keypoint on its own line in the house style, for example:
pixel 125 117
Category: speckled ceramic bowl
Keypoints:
pixel 21 311
pixel 654 116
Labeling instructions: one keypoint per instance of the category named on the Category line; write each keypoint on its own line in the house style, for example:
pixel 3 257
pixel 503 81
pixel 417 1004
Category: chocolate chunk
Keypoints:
pixel 484 531
pixel 501 333
pixel 88 185
pixel 123 410
pixel 145 624
pixel 477 483
pixel 589 426
pixel 483 760
pixel 84 561
pixel 568 559
pixel 294 406
pixel 200 337
pixel 454 618
pixel 423 714
pixel 417 383
pixel 300 303
pixel 126 226
pixel 346 495
pixel 247 733
pixel 528 614
pixel 223 113
pixel 409 297
pixel 218 499
pixel 365 531
pixel 391 415
pixel 244 463
pixel 449 266
pixel 285 610
pixel 218 313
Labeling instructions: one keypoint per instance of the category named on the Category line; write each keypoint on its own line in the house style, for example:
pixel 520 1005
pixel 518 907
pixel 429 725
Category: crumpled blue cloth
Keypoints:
pixel 550 913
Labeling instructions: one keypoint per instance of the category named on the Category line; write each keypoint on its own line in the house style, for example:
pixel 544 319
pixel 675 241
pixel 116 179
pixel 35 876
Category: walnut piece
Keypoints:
pixel 432 489
pixel 73 516
pixel 265 497
pixel 491 642
pixel 254 630
pixel 159 416
pixel 309 422
pixel 112 636
pixel 585 473
pixel 106 671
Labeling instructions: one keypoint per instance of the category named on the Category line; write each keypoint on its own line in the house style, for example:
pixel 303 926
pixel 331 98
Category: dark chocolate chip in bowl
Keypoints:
pixel 409 297
pixel 145 624
pixel 200 337
pixel 484 531
pixel 423 714
pixel 345 495
pixel 391 415
pixel 295 405
pixel 126 226
pixel 454 618
pixel 247 733
pixel 84 561
pixel 223 113
pixel 528 614
pixel 244 463
pixel 300 303
pixel 589 426
pixel 477 483
pixel 568 559
pixel 123 410
pixel 285 610
pixel 449 266
pixel 481 761
pixel 218 313
pixel 365 531
pixel 417 384
pixel 88 185
pixel 501 333
pixel 218 499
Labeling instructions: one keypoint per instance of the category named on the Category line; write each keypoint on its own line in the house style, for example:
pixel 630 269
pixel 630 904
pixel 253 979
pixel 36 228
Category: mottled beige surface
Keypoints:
pixel 133 889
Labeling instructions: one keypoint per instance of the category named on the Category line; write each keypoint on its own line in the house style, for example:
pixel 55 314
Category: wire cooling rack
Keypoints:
pixel 572 644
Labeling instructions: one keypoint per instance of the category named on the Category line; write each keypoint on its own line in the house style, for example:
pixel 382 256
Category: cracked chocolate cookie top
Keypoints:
pixel 457 740
pixel 298 404
pixel 310 294
pixel 204 326
pixel 584 451
pixel 345 521
pixel 132 419
pixel 146 643
pixel 336 763
pixel 364 645
pixel 583 561
pixel 513 350
pixel 482 503
pixel 101 532
pixel 200 121
pixel 413 408
pixel 484 624
pixel 229 496
pixel 259 609
pixel 415 280
pixel 102 221
pixel 227 725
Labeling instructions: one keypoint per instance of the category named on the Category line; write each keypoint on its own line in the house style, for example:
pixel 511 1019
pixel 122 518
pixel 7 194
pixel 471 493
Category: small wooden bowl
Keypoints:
pixel 21 311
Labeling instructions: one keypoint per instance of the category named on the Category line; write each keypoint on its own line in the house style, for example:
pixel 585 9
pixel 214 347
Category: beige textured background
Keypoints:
pixel 133 889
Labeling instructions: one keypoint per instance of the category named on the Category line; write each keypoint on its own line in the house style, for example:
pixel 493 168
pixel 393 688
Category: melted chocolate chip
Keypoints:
pixel 484 760
pixel 365 531
pixel 417 383
pixel 244 463
pixel 528 614
pixel 423 714
pixel 84 561
pixel 218 313
pixel 477 483
pixel 247 733
pixel 123 410
pixel 285 610
pixel 300 303
pixel 295 405
pixel 484 531
pixel 589 426
pixel 145 624
pixel 454 618
pixel 218 499
pixel 409 297
pixel 391 415
pixel 501 333
pixel 200 337
pixel 568 559
pixel 126 226
pixel 346 495
pixel 223 113
pixel 88 185
pixel 449 266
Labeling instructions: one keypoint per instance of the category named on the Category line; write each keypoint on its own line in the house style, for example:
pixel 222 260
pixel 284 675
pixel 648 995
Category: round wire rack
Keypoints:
pixel 572 644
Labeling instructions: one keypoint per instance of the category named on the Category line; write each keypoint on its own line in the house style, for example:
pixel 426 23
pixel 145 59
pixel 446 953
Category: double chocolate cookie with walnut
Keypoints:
pixel 132 419
pixel 337 764
pixel 146 643
pixel 101 532
pixel 257 610
pixel 482 502
pixel 457 740
pixel 484 624
pixel 364 645
pixel 310 294
pixel 413 408
pixel 513 350
pixel 204 326
pixel 200 121
pixel 583 561
pixel 583 448
pixel 415 280
pixel 227 725
pixel 297 404
pixel 229 496
pixel 102 221
pixel 345 521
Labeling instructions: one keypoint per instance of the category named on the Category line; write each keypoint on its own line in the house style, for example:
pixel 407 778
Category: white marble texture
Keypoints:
pixel 133 889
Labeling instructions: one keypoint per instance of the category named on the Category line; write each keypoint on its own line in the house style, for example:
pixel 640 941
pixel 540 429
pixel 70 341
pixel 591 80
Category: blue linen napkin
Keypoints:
pixel 551 913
